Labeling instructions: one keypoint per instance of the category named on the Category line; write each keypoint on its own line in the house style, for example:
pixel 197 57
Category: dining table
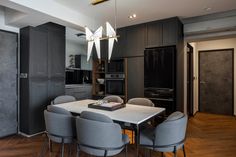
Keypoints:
pixel 134 115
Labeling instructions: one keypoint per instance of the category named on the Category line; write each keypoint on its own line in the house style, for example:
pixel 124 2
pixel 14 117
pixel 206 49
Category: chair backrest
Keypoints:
pixel 54 109
pixel 171 131
pixel 59 124
pixel 97 131
pixel 141 101
pixel 113 98
pixel 63 99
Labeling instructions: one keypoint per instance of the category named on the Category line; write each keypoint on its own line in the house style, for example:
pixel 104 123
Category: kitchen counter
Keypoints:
pixel 78 85
pixel 79 91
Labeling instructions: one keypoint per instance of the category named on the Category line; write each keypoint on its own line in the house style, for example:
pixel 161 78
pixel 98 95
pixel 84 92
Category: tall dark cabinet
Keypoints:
pixel 42 68
pixel 135 39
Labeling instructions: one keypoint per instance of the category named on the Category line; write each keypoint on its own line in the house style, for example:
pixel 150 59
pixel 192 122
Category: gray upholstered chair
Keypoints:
pixel 141 101
pixel 63 99
pixel 98 135
pixel 60 127
pixel 113 98
pixel 169 136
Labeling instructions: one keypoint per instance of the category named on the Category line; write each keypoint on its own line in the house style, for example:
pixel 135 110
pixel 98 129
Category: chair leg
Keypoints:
pixel 50 145
pixel 175 153
pixel 132 136
pixel 162 154
pixel 78 150
pixel 62 148
pixel 69 153
pixel 184 151
pixel 126 150
pixel 150 153
pixel 105 154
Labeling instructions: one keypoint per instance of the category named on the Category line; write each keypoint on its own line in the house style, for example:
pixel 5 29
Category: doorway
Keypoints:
pixel 216 81
pixel 190 80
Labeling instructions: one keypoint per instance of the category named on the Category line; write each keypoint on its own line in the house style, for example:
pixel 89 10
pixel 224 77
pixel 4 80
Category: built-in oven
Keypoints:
pixel 115 84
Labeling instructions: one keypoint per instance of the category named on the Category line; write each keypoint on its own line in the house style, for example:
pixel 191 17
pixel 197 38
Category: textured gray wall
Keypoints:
pixel 8 83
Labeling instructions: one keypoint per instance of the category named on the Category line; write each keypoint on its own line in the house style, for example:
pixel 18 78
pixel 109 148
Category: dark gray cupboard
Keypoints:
pixel 135 39
pixel 42 68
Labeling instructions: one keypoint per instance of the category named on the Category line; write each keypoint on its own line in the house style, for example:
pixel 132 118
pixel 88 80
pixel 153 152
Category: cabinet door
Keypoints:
pixel 38 91
pixel 56 88
pixel 120 46
pixel 154 34
pixel 38 63
pixel 136 40
pixel 56 54
pixel 135 77
pixel 170 31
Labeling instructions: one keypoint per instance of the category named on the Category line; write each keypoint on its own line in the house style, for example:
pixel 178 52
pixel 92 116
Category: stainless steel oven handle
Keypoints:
pixel 114 79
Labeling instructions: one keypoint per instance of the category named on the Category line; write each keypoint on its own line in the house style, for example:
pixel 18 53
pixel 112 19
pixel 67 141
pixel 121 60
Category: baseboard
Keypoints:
pixel 26 135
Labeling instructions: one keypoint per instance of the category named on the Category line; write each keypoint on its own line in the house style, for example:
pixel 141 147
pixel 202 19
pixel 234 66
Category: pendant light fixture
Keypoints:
pixel 96 37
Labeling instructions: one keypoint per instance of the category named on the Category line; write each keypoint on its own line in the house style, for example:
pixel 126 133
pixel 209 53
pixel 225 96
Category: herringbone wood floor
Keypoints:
pixel 207 136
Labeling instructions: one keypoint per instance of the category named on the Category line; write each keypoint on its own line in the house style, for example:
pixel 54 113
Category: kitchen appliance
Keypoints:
pixel 160 76
pixel 115 84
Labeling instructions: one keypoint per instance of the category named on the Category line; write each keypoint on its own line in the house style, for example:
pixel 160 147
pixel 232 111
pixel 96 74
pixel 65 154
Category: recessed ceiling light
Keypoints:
pixel 132 16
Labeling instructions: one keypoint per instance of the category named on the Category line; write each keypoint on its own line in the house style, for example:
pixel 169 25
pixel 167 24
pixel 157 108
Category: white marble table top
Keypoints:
pixel 134 114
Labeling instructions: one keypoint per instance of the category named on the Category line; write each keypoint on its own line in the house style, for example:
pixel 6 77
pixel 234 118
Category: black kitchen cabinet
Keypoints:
pixel 42 55
pixel 120 46
pixel 154 34
pixel 135 40
pixel 56 51
pixel 56 87
pixel 164 32
pixel 37 42
pixel 135 77
pixel 170 31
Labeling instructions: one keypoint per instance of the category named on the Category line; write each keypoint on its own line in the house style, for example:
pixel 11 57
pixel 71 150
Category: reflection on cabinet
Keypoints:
pixel 42 51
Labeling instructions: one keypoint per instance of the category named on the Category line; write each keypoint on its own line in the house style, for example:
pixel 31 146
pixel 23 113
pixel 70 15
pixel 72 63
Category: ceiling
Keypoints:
pixel 71 36
pixel 147 10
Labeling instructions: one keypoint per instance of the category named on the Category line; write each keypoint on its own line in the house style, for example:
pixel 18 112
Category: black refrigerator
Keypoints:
pixel 160 76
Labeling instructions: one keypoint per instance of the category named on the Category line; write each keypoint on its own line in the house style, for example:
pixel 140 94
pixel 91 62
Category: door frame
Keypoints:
pixel 190 85
pixel 199 89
